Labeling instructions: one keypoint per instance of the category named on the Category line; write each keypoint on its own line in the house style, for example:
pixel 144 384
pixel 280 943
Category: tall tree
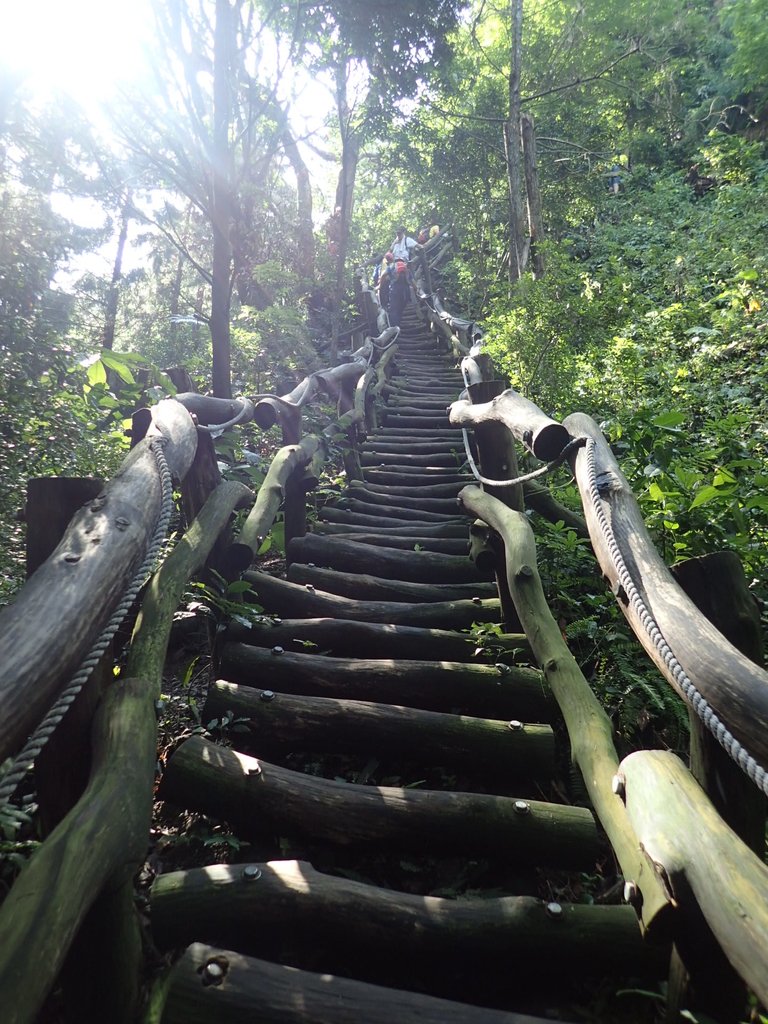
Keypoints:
pixel 212 130
pixel 371 63
pixel 517 255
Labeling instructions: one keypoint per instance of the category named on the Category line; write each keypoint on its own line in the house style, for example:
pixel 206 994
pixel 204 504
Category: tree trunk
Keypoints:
pixel 221 205
pixel 305 263
pixel 174 301
pixel 345 196
pixel 512 145
pixel 110 318
pixel 535 221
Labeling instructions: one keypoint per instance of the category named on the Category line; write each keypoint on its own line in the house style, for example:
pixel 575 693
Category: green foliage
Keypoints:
pixel 747 22
pixel 16 846
pixel 224 601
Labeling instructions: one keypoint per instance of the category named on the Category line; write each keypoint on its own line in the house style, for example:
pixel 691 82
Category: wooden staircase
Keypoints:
pixel 398 779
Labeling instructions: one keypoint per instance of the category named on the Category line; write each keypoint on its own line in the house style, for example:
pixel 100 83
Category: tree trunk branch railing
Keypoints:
pixel 693 656
pixel 75 591
pixel 589 728
pixel 102 840
pixel 92 854
pixel 731 683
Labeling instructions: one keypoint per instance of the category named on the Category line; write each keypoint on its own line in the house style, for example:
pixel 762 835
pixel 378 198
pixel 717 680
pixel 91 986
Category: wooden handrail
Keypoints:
pixel 733 685
pixel 715 870
pixel 589 728
pixel 76 590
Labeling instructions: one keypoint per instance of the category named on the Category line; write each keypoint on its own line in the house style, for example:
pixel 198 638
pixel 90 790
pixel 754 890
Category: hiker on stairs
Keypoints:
pixel 399 291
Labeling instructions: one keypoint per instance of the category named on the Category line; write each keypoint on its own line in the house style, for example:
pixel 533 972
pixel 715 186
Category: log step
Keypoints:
pixel 345 515
pixel 363 586
pixel 283 598
pixel 412 566
pixel 415 542
pixel 446 490
pixel 501 691
pixel 444 503
pixel 491 749
pixel 331 922
pixel 410 529
pixel 400 511
pixel 210 984
pixel 260 799
pixel 377 640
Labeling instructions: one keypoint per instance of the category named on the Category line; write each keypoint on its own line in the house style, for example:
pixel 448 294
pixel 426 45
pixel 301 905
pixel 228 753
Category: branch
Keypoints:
pixel 583 81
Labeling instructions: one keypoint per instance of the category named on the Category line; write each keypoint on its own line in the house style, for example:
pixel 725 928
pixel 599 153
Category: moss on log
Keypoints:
pixel 589 728
pixel 257 797
pixel 281 597
pixel 483 747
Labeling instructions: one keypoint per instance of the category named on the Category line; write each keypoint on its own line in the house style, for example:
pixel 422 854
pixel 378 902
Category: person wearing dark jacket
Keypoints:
pixel 399 292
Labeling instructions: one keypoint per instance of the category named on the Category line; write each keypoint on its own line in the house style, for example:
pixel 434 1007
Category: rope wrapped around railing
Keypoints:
pixel 735 750
pixel 25 759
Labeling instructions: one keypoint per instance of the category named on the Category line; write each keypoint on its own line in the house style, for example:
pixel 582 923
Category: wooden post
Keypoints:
pixel 62 767
pixel 498 460
pixel 51 503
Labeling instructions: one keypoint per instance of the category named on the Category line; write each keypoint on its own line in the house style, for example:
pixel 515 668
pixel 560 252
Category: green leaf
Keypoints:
pixel 705 494
pixel 669 419
pixel 238 587
pixel 277 533
pixel 117 365
pixel 97 373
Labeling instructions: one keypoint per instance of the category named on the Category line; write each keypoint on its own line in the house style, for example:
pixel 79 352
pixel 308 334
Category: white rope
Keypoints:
pixel 218 428
pixel 693 696
pixel 575 442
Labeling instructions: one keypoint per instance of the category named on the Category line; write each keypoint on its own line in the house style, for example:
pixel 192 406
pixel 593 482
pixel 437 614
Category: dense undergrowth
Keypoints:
pixel 653 320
